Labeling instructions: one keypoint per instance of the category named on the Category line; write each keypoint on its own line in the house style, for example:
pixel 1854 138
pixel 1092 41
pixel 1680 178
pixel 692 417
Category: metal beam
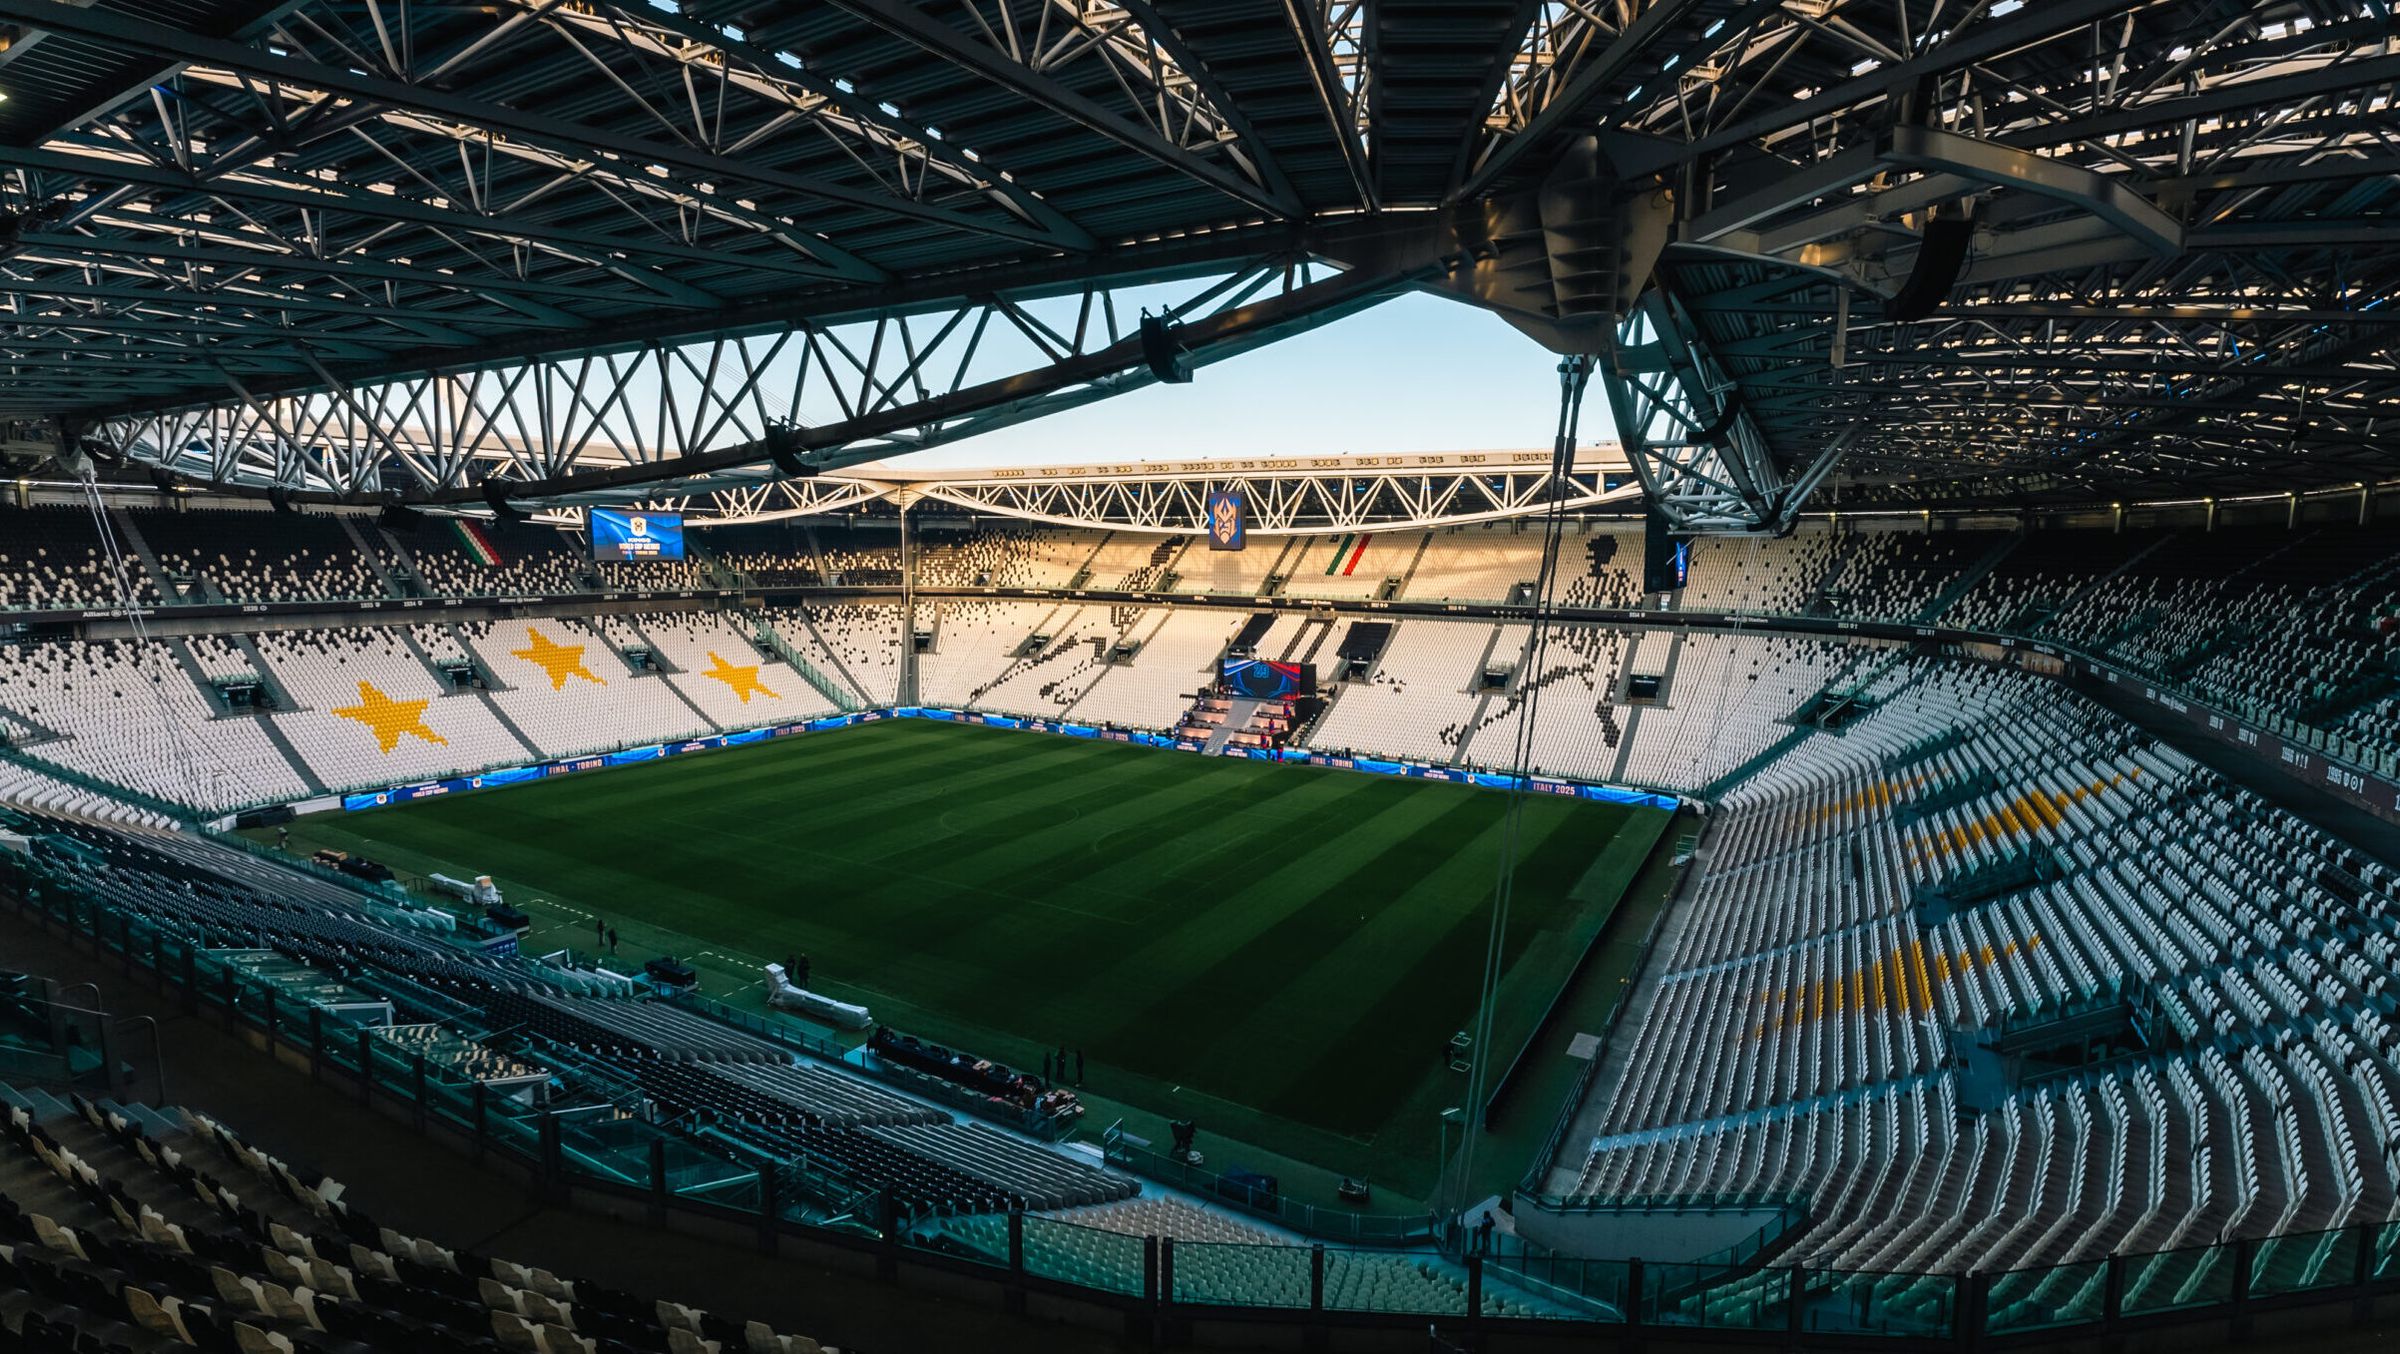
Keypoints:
pixel 1798 188
pixel 1158 30
pixel 574 137
pixel 1308 25
pixel 2357 74
pixel 908 23
pixel 1121 365
pixel 772 64
pixel 1313 504
pixel 2029 26
pixel 1562 109
pixel 1702 457
pixel 2105 196
pixel 594 250
pixel 172 246
pixel 682 419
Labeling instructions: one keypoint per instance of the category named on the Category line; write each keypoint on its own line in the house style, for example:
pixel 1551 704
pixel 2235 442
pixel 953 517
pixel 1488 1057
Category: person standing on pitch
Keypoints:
pixel 1045 1067
pixel 599 930
pixel 612 938
pixel 800 975
pixel 1079 1067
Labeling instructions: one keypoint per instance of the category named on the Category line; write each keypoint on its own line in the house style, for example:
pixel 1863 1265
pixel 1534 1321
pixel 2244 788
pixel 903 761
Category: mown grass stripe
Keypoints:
pixel 1295 940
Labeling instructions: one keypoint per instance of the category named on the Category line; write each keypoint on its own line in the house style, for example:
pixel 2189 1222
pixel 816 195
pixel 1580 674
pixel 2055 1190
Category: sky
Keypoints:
pixel 1418 373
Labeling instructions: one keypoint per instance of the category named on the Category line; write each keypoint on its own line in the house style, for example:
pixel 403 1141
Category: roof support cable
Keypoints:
pixel 201 785
pixel 1574 374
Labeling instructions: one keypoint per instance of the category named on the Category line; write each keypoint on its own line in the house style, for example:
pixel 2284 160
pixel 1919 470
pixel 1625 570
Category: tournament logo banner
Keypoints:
pixel 1227 527
pixel 1265 679
pixel 621 535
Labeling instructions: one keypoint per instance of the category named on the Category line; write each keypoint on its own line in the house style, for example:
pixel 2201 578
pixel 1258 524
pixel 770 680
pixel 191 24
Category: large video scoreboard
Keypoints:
pixel 621 535
pixel 1268 680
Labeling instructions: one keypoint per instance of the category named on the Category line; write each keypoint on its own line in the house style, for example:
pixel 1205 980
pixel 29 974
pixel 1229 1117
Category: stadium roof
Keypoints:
pixel 2071 249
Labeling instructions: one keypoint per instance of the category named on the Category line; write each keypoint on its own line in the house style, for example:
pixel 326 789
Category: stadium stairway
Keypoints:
pixel 772 643
pixel 416 650
pixel 402 566
pixel 659 661
pixel 267 680
pixel 663 668
pixel 182 652
pixel 18 730
pixel 858 698
pixel 282 744
pixel 366 550
pixel 712 568
pixel 1483 702
pixel 484 676
pixel 1316 636
pixel 1291 646
pixel 1965 583
pixel 1409 574
pixel 1282 567
pixel 1829 584
pixel 1238 715
pixel 1768 755
pixel 1666 684
pixel 1082 576
pixel 816 549
pixel 131 537
pixel 532 749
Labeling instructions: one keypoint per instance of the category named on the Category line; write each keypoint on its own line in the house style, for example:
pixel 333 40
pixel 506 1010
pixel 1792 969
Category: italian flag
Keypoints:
pixel 1352 545
pixel 472 539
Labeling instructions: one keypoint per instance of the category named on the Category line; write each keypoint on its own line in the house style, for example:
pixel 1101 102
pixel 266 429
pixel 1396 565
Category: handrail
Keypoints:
pixel 1333 1224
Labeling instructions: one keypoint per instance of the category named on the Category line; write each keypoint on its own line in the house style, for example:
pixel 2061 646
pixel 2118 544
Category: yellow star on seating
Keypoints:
pixel 388 718
pixel 742 680
pixel 557 661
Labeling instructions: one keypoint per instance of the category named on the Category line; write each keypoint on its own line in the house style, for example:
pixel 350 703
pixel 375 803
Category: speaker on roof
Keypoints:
pixel 282 499
pixel 400 517
pixel 495 493
pixel 786 455
pixel 1160 351
pixel 1940 257
pixel 163 478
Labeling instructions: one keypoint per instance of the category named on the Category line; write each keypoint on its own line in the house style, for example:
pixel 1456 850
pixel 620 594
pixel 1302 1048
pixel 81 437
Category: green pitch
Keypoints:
pixel 1295 942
